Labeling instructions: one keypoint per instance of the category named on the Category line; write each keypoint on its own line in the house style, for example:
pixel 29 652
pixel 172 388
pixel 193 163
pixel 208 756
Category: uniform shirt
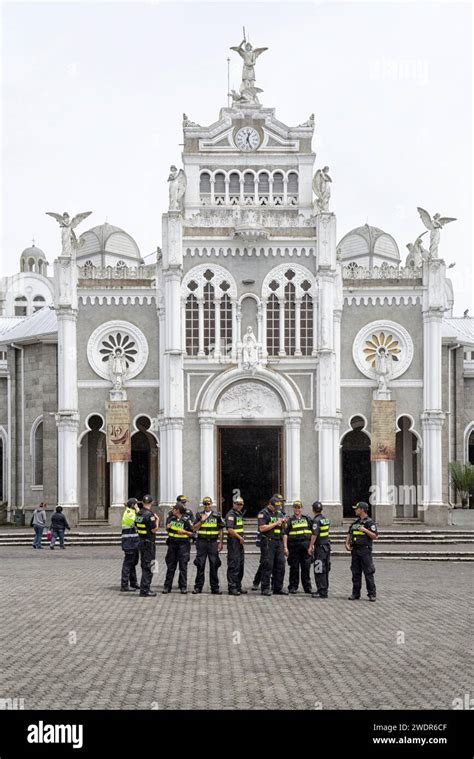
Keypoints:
pixel 188 514
pixel 266 517
pixel 129 533
pixel 320 528
pixel 235 521
pixel 178 523
pixel 298 529
pixel 359 538
pixel 145 522
pixel 211 526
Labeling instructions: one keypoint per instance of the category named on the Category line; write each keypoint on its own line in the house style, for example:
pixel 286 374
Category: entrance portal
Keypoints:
pixel 250 463
pixel 356 468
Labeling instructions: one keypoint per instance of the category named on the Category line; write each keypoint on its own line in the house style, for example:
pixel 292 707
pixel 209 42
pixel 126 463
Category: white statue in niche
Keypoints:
pixel 250 359
pixel 383 369
pixel 118 368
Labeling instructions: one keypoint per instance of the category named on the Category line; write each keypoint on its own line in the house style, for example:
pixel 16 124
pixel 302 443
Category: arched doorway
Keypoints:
pixel 355 466
pixel 406 472
pixel 143 468
pixel 95 472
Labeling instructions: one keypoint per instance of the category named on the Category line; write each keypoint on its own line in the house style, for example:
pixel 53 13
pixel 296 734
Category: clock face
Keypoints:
pixel 247 138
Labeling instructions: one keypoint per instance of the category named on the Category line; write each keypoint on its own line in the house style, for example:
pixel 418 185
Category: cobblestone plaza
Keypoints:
pixel 71 640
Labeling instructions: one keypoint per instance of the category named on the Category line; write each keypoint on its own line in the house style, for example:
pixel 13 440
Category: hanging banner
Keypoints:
pixel 118 431
pixel 383 431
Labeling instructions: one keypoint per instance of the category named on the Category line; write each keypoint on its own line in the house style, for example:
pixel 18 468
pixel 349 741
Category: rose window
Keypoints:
pixel 119 344
pixel 387 343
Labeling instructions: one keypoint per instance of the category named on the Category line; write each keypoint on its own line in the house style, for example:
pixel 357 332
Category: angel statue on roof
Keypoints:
pixel 249 55
pixel 67 226
pixel 434 226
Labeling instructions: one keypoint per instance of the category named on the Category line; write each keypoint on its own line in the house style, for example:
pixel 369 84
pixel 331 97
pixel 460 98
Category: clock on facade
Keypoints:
pixel 247 138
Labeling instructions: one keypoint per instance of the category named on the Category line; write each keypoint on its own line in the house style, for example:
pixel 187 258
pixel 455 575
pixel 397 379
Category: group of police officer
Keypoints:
pixel 300 539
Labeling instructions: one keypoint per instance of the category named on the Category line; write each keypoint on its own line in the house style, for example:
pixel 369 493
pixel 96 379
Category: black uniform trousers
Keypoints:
pixel 298 559
pixel 129 572
pixel 321 568
pixel 206 549
pixel 235 564
pixel 273 565
pixel 362 561
pixel 258 574
pixel 177 555
pixel 147 550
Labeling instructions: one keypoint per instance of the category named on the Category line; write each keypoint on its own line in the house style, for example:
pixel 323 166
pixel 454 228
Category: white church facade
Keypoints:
pixel 250 351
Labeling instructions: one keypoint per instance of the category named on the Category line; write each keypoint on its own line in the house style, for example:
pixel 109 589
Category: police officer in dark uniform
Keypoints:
pixel 179 529
pixel 320 549
pixel 209 526
pixel 296 538
pixel 189 514
pixel 258 542
pixel 129 547
pixel 147 524
pixel 234 522
pixel 359 540
pixel 271 523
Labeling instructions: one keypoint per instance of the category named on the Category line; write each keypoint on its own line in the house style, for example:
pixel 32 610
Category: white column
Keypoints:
pixel 292 458
pixel 432 510
pixel 328 455
pixel 234 332
pixel 118 477
pixel 212 191
pixel 208 456
pixel 227 198
pixel 285 190
pixel 281 351
pixel 298 327
pixel 67 417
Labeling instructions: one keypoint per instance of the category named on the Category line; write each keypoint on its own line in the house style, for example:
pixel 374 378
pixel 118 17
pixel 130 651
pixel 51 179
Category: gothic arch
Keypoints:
pixel 277 382
pixel 196 274
pixel 278 273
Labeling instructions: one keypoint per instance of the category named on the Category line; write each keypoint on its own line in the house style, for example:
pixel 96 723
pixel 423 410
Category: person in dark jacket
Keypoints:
pixel 58 525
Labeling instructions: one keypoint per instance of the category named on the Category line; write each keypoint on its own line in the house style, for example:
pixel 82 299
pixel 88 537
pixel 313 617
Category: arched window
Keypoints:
pixel 21 306
pixel 273 325
pixel 40 266
pixel 31 264
pixel 37 439
pixel 292 183
pixel 289 293
pixel 209 319
pixel 263 188
pixel 38 302
pixel 278 188
pixel 205 184
pixel 121 264
pixel 192 325
pixel 249 184
pixel 209 294
pixel 234 185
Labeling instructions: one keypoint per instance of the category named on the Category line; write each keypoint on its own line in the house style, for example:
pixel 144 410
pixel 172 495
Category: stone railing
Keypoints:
pixel 353 271
pixel 117 272
pixel 220 199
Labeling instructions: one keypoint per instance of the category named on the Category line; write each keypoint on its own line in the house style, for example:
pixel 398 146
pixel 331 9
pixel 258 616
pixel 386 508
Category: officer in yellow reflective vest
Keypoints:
pixel 296 538
pixel 359 541
pixel 234 522
pixel 209 526
pixel 271 521
pixel 320 549
pixel 147 524
pixel 180 530
pixel 129 547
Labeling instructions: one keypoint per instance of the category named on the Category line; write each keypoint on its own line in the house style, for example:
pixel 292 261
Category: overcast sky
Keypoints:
pixel 93 96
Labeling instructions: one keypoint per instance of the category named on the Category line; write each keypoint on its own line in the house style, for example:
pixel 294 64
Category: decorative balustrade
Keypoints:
pixel 117 272
pixel 219 199
pixel 354 271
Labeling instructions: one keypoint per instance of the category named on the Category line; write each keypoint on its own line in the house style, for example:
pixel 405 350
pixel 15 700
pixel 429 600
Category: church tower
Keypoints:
pixel 250 313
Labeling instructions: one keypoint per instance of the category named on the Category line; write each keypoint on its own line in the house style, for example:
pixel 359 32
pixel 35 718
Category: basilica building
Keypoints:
pixel 256 354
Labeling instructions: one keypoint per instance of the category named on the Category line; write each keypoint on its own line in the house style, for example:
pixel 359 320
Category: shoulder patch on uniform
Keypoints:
pixel 261 515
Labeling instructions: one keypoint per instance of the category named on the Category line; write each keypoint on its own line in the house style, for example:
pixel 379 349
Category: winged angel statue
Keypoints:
pixel 249 54
pixel 322 189
pixel 67 225
pixel 434 226
pixel 177 188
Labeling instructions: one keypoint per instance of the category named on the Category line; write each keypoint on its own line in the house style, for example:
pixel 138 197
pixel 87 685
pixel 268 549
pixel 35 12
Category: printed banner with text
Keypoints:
pixel 118 431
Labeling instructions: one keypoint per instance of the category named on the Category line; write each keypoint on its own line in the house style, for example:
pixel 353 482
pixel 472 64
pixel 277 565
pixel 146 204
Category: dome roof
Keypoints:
pixel 106 238
pixel 368 242
pixel 33 251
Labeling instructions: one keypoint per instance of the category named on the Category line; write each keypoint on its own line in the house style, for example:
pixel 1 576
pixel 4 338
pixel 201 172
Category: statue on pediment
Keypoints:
pixel 322 189
pixel 249 54
pixel 177 188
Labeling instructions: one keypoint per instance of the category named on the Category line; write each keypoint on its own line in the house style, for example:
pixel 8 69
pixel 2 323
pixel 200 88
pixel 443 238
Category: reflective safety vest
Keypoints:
pixel 128 518
pixel 357 536
pixel 129 534
pixel 144 524
pixel 173 527
pixel 299 529
pixel 324 525
pixel 210 527
pixel 238 525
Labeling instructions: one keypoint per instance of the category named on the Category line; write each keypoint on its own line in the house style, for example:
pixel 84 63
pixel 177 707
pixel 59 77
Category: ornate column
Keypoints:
pixel 292 457
pixel 207 423
pixel 171 418
pixel 201 353
pixel 67 417
pixel 432 510
pixel 327 420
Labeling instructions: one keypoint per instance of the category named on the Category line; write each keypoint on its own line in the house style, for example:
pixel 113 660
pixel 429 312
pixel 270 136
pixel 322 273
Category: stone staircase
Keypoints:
pixel 401 542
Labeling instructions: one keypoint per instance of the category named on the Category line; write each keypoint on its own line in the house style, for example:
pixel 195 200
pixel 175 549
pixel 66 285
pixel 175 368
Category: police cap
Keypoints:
pixel 182 499
pixel 147 499
pixel 317 506
pixel 207 500
pixel 132 502
pixel 297 505
pixel 362 505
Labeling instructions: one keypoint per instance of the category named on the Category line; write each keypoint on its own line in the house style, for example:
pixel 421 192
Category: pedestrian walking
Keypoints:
pixel 59 524
pixel 38 522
